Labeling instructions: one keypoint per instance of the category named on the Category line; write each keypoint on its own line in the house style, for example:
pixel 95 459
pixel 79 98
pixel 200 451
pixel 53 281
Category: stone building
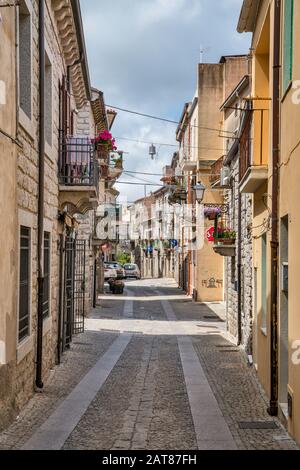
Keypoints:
pixel 238 218
pixel 8 210
pixel 200 138
pixel 91 119
pixel 52 176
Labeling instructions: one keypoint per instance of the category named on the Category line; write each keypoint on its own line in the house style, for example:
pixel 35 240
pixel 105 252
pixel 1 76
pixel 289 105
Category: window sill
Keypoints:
pixel 24 348
pixel 26 124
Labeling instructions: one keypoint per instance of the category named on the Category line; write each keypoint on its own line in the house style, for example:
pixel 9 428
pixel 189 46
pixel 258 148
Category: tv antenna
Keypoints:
pixel 202 51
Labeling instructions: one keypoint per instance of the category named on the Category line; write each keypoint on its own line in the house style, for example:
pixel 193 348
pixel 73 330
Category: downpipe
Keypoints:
pixel 41 195
pixel 273 405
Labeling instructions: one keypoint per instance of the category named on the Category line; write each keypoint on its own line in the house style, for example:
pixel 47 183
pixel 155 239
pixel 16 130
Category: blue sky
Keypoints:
pixel 143 55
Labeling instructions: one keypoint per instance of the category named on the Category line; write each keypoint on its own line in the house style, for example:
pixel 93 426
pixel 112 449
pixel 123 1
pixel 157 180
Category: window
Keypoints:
pixel 48 100
pixel 25 58
pixel 264 282
pixel 288 43
pixel 24 284
pixel 47 260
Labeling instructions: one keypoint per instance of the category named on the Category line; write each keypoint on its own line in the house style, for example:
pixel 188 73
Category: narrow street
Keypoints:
pixel 153 370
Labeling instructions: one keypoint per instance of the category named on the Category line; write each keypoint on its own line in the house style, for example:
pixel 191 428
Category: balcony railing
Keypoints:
pixel 78 165
pixel 253 142
pixel 216 170
pixel 168 175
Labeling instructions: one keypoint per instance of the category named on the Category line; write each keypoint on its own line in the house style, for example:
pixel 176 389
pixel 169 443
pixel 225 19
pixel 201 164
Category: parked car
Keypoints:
pixel 132 270
pixel 109 272
pixel 118 268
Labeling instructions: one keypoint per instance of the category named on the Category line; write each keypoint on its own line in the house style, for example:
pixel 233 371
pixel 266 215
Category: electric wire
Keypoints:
pixel 150 116
pixel 168 144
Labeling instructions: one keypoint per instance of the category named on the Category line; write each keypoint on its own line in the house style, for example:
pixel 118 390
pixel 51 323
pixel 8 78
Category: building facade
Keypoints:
pixel 51 184
pixel 237 217
pixel 269 174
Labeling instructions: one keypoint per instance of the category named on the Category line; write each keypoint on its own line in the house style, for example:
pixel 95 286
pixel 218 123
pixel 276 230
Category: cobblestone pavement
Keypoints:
pixel 148 398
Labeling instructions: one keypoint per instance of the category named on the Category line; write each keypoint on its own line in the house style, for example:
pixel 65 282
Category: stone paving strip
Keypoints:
pixel 233 382
pixel 212 431
pixel 54 432
pixel 143 404
pixel 86 350
pixel 56 429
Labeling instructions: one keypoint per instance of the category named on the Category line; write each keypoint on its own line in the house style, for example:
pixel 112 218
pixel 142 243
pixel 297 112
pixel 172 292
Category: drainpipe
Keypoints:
pixel 273 406
pixel 239 269
pixel 39 344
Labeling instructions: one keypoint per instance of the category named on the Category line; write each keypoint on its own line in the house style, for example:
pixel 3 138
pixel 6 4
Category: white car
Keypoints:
pixel 119 269
pixel 132 270
pixel 109 273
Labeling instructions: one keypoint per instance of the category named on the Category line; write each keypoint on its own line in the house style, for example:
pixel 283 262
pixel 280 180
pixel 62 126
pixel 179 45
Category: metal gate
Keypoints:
pixel 74 289
pixel 79 286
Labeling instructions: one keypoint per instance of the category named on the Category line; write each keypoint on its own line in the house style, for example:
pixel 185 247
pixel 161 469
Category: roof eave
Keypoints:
pixel 82 48
pixel 248 16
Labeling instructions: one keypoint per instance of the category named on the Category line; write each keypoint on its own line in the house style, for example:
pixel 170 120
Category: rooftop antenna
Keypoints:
pixel 202 51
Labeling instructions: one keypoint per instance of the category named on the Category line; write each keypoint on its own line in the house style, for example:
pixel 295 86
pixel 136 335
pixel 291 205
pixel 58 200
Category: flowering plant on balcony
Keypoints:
pixel 212 212
pixel 225 235
pixel 104 141
pixel 117 160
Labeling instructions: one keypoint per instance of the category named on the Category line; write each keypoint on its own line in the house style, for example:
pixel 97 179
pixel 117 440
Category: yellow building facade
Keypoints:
pixel 274 133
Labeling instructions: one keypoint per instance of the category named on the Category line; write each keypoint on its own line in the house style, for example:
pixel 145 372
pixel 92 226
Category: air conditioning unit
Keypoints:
pixel 225 176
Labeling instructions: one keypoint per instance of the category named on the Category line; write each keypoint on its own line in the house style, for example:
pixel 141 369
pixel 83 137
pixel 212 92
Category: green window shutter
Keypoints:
pixel 264 281
pixel 288 43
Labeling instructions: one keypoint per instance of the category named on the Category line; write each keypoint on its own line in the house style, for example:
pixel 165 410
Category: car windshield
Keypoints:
pixel 130 267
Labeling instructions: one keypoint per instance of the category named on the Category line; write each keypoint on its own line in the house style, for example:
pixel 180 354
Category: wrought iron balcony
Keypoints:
pixel 78 173
pixel 78 164
pixel 216 171
pixel 254 151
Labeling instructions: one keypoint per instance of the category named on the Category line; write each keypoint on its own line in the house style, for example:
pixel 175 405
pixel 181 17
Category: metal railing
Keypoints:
pixel 78 165
pixel 253 140
pixel 216 170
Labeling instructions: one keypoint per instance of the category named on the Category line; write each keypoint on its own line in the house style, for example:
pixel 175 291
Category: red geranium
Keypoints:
pixel 105 138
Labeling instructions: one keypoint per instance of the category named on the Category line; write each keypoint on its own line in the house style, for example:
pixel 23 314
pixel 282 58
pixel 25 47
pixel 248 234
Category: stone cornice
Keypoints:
pixel 70 39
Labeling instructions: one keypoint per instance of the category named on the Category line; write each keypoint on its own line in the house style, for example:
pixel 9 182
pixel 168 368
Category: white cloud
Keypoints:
pixel 157 11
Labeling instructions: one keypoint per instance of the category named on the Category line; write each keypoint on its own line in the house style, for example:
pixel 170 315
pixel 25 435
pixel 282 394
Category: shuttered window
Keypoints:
pixel 288 43
pixel 47 258
pixel 24 283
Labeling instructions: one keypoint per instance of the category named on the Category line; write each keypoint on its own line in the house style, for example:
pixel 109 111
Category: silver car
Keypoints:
pixel 132 270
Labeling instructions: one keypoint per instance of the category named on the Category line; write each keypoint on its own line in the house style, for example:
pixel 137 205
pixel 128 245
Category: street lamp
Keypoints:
pixel 152 151
pixel 200 190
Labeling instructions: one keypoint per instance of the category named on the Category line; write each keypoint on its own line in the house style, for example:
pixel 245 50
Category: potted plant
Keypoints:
pixel 212 212
pixel 119 163
pixel 225 236
pixel 104 143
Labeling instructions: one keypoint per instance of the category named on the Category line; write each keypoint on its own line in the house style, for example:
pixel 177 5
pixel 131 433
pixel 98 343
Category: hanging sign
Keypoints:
pixel 210 234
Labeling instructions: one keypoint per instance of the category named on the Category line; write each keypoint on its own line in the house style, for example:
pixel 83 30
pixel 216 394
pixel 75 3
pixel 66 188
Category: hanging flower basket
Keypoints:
pixel 104 143
pixel 212 212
